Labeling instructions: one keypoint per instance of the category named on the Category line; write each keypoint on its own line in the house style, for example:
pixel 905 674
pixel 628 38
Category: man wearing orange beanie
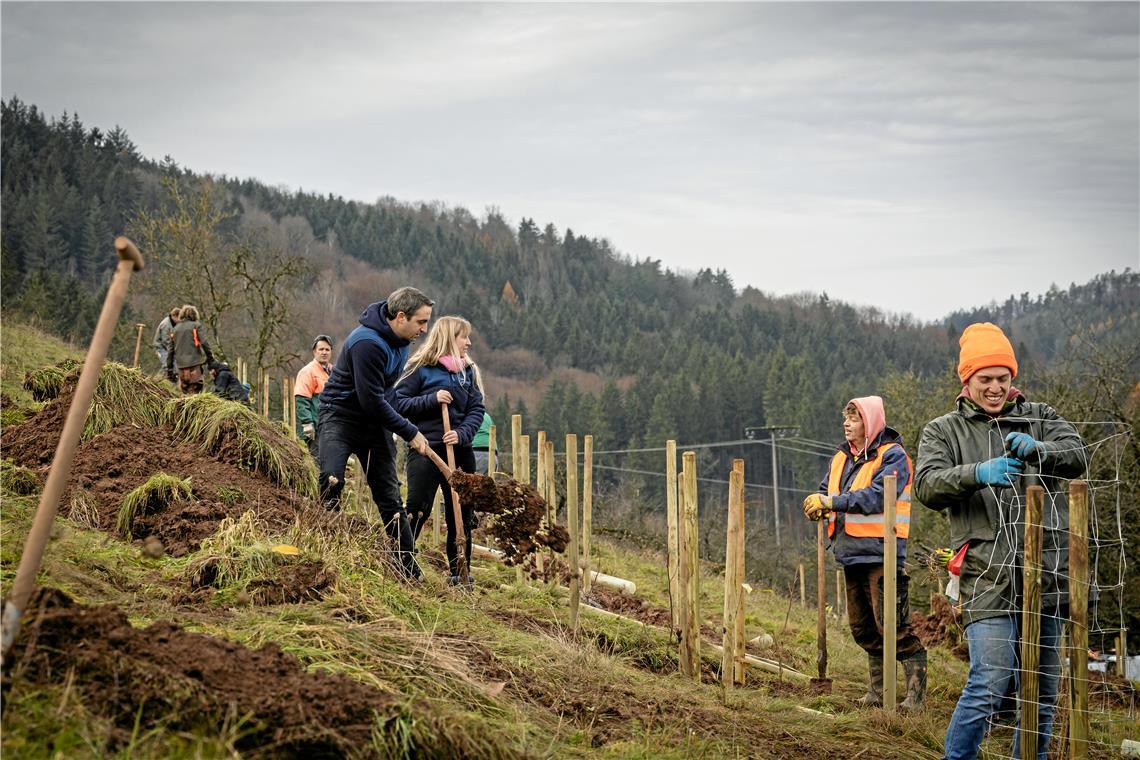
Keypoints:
pixel 969 462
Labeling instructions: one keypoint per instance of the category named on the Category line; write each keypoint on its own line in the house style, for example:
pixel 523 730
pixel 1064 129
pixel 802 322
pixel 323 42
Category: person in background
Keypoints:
pixel 163 335
pixel 850 498
pixel 227 385
pixel 307 391
pixel 969 461
pixel 356 416
pixel 191 352
pixel 481 444
pixel 442 373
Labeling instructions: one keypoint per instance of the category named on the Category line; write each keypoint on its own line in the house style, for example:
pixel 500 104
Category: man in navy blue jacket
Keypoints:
pixel 356 416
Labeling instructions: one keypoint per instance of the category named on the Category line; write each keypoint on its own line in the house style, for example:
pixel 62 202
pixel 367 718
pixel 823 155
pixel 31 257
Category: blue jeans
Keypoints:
pixel 995 655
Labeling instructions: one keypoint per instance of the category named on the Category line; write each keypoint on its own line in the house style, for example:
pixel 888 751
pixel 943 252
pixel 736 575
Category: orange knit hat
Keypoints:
pixel 984 345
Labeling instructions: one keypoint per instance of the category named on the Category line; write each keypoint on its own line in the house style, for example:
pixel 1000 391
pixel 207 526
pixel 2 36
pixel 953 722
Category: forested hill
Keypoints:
pixel 599 341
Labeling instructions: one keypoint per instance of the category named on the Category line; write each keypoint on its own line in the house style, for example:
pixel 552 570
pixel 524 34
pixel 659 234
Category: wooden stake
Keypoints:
pixel 690 570
pixel 292 404
pixel 437 516
pixel 1122 653
pixel 516 464
pixel 285 394
pixel 732 578
pixel 540 484
pixel 1031 622
pixel 138 344
pixel 741 570
pixel 672 566
pixel 1079 614
pixel 890 591
pixel 516 454
pixel 524 467
pixel 587 507
pixel 572 526
pixel 491 451
pixel 551 489
pixel 265 381
pixel 803 588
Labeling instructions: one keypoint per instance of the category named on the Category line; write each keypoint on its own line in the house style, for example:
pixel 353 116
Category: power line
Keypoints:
pixel 761 486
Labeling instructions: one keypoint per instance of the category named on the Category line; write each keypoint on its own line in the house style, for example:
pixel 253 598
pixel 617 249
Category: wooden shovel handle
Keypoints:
pixel 442 465
pixel 456 511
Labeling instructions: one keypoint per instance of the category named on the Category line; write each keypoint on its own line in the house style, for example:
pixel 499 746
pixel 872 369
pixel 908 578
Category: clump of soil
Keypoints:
pixel 172 680
pixel 940 628
pixel 519 511
pixel 292 584
pixel 111 465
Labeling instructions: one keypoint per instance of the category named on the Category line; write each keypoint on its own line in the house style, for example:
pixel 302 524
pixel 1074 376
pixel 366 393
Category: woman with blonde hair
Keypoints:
pixel 441 373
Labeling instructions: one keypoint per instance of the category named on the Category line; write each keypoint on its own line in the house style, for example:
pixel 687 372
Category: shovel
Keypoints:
pixel 456 512
pixel 821 684
pixel 129 261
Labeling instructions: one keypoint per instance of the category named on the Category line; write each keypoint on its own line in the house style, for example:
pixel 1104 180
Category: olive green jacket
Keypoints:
pixel 992 520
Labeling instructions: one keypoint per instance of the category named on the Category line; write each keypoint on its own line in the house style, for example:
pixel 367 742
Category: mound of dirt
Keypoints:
pixel 173 680
pixel 940 628
pixel 292 584
pixel 109 466
pixel 519 511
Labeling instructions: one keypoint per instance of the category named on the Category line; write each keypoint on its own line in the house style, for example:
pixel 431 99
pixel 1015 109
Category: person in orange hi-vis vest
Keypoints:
pixel 307 390
pixel 850 498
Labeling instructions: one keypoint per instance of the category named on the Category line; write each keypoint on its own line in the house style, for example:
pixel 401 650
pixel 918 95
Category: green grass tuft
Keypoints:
pixel 224 427
pixel 44 383
pixel 157 493
pixel 231 496
pixel 17 480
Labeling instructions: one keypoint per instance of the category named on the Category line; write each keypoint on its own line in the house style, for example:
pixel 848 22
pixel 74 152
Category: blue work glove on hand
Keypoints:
pixel 999 471
pixel 1021 445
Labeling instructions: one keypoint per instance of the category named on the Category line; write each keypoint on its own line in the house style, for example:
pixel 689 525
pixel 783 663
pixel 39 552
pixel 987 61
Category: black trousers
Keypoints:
pixel 340 436
pixel 865 610
pixel 424 479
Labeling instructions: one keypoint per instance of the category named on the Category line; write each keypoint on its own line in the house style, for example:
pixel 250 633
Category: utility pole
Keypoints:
pixel 775 432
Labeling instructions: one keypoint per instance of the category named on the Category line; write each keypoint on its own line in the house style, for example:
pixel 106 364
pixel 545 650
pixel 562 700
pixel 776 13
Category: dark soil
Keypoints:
pixel 940 628
pixel 109 466
pixel 174 680
pixel 291 584
pixel 519 510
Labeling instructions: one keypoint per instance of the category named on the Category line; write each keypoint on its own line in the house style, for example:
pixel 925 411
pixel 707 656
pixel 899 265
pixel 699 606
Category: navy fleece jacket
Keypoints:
pixel 369 364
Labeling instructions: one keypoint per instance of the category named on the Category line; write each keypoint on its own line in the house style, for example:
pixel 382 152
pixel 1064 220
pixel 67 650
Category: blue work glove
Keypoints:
pixel 1021 445
pixel 999 471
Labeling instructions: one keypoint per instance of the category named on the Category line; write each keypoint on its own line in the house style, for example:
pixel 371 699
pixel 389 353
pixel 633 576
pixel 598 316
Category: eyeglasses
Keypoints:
pixel 325 338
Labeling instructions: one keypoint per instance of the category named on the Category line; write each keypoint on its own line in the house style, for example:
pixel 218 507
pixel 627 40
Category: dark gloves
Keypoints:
pixel 999 471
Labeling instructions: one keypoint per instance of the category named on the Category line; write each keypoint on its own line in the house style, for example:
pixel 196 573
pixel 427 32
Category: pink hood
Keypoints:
pixel 874 419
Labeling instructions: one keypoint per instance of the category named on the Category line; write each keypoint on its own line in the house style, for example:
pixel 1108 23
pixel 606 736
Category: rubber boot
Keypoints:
pixel 874 695
pixel 914 668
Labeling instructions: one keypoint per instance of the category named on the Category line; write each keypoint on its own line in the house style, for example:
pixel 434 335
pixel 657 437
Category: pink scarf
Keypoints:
pixel 454 364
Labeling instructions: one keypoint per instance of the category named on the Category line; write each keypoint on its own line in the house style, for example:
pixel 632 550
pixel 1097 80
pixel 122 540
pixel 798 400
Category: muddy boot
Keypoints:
pixel 874 695
pixel 915 669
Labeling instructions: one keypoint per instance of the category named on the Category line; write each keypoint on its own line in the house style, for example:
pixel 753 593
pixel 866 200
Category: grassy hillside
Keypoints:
pixel 326 653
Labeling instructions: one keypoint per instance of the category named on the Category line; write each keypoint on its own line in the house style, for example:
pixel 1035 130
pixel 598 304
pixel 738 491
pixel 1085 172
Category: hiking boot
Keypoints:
pixel 874 695
pixel 455 580
pixel 915 669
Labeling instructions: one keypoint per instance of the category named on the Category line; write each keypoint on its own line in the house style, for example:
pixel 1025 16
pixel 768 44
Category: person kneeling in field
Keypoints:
pixel 850 498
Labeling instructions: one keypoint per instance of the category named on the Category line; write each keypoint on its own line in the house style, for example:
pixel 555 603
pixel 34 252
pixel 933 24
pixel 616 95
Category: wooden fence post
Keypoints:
pixel 524 466
pixel 491 453
pixel 265 401
pixel 437 517
pixel 672 561
pixel 1122 653
pixel 516 469
pixel 292 405
pixel 572 526
pixel 741 570
pixel 690 570
pixel 551 490
pixel 732 579
pixel 1079 614
pixel 540 484
pixel 890 591
pixel 587 507
pixel 1031 622
pixel 285 394
pixel 138 344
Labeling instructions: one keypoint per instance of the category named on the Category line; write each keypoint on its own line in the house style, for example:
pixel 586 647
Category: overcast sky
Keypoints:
pixel 917 157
